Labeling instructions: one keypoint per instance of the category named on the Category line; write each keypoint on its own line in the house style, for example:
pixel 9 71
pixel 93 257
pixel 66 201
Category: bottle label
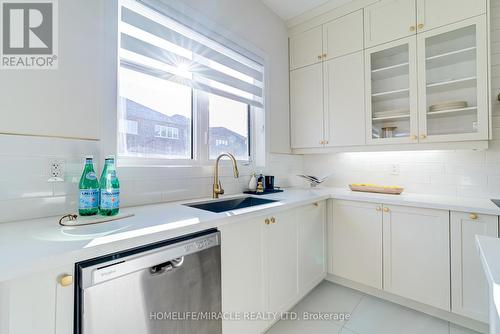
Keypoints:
pixel 89 198
pixel 91 176
pixel 110 199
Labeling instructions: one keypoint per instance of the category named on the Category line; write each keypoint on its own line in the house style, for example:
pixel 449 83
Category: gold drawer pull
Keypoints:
pixel 267 221
pixel 473 216
pixel 378 208
pixel 316 204
pixel 66 280
pixel 412 28
pixel 421 26
pixel 273 220
pixel 386 210
pixel 423 136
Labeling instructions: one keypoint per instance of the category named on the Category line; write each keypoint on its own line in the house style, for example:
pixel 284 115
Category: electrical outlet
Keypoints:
pixel 56 171
pixel 395 169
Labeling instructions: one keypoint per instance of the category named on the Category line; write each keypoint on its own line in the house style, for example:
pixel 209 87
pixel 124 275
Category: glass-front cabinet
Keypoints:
pixel 432 87
pixel 392 93
pixel 453 98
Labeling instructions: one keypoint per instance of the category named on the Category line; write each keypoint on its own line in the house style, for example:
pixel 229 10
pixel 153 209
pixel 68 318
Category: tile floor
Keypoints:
pixel 369 315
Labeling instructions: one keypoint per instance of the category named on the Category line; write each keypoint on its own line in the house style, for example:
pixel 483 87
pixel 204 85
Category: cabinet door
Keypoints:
pixel 282 261
pixel 34 304
pixel 306 106
pixel 416 254
pixel 388 20
pixel 343 35
pixel 357 242
pixel 242 274
pixel 469 289
pixel 453 82
pixel 312 245
pixel 306 48
pixel 391 93
pixel 436 13
pixel 344 100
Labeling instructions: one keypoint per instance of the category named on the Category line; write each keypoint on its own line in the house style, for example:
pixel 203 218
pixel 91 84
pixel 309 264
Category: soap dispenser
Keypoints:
pixel 252 185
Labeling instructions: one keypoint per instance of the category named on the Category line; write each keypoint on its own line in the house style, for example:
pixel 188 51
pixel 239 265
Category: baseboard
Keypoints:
pixel 435 312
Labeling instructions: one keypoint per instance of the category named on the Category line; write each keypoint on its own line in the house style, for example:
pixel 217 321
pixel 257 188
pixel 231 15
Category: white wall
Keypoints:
pixel 456 173
pixel 77 91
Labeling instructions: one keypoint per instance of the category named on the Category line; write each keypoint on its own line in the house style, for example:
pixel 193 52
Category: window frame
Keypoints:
pixel 199 162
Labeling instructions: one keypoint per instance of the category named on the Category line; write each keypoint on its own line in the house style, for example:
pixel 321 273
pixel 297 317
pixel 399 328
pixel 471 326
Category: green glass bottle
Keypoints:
pixel 89 190
pixel 110 189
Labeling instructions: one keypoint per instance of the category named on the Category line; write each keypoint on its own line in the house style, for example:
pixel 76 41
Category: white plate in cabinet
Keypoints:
pixel 344 100
pixel 436 13
pixel 416 254
pixel 452 65
pixel 306 106
pixel 312 245
pixel 356 238
pixel 388 20
pixel 469 289
pixel 243 287
pixel 343 35
pixel 306 48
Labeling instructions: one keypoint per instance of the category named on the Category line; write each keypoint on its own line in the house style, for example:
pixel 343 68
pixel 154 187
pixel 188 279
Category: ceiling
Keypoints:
pixel 288 9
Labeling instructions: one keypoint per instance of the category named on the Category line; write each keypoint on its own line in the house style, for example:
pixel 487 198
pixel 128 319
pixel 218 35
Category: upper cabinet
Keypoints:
pixel 437 13
pixel 343 35
pixel 326 95
pixel 453 82
pixel 391 94
pixel 388 20
pixel 333 39
pixel 306 48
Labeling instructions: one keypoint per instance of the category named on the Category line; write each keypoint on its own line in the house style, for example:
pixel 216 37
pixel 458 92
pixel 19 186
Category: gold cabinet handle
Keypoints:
pixel 386 210
pixel 322 142
pixel 423 136
pixel 420 26
pixel 273 220
pixel 412 28
pixel 66 280
pixel 316 204
pixel 473 216
pixel 378 208
pixel 320 57
pixel 325 55
pixel 414 137
pixel 267 221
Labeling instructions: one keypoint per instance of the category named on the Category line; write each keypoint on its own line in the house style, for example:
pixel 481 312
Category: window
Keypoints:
pixel 129 127
pixel 162 131
pixel 190 96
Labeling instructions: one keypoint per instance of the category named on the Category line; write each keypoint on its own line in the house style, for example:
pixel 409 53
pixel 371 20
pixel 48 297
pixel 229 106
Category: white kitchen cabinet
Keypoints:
pixel 469 289
pixel 344 100
pixel 343 35
pixel 417 254
pixel 269 263
pixel 391 93
pixel 311 222
pixel 306 106
pixel 242 266
pixel 281 240
pixel 452 63
pixel 388 20
pixel 436 13
pixel 306 48
pixel 356 239
pixel 37 304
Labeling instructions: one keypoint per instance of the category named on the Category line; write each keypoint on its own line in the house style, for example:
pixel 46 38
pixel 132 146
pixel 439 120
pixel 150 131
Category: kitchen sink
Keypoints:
pixel 230 204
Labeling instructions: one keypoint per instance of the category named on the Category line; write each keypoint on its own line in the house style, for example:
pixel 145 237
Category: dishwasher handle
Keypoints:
pixel 166 266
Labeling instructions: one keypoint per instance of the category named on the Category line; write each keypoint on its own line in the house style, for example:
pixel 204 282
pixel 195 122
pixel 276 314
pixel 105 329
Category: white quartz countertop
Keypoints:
pixel 489 251
pixel 41 244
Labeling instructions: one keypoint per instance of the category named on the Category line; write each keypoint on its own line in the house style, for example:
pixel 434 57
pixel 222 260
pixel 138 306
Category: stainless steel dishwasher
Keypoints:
pixel 169 287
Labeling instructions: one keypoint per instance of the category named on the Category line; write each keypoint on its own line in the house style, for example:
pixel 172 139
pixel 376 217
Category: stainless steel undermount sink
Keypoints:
pixel 230 204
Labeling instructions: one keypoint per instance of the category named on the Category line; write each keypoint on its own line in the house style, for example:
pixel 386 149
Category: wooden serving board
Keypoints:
pixel 377 189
